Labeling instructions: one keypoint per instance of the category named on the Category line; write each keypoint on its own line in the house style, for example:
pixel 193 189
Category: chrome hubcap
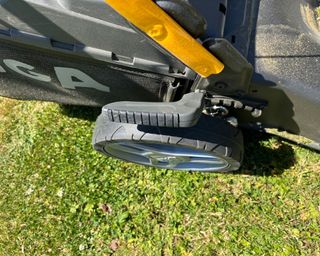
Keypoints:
pixel 171 161
pixel 166 156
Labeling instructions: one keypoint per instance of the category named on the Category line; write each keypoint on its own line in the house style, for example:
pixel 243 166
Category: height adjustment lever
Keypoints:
pixel 183 113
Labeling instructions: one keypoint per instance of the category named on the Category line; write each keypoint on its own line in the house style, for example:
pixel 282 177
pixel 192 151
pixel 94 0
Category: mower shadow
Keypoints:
pixel 80 112
pixel 263 158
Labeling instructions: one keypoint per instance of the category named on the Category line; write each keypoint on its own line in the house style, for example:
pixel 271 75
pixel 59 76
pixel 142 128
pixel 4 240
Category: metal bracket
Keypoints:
pixel 236 76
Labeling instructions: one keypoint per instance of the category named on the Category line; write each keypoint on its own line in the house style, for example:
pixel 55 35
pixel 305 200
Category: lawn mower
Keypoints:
pixel 177 80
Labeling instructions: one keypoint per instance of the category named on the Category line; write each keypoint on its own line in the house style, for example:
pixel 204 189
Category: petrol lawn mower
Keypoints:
pixel 177 80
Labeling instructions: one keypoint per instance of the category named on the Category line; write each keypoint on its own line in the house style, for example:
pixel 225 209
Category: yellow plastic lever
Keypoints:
pixel 157 24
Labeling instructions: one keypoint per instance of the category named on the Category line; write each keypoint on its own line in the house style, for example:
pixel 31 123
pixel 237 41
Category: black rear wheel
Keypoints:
pixel 212 145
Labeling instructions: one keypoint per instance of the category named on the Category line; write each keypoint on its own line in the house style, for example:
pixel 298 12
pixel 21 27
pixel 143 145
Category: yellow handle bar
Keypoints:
pixel 158 25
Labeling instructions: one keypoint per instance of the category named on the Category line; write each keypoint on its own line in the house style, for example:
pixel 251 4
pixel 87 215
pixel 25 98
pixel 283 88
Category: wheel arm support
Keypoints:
pixel 183 113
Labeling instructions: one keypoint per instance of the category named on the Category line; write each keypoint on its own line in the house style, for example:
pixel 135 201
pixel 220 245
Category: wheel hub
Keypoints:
pixel 170 161
pixel 167 156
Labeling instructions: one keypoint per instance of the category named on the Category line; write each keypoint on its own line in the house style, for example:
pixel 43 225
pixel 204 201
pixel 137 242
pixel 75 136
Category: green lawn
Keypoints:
pixel 59 197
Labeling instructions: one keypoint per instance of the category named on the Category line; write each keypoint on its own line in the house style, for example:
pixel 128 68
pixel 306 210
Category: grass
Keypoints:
pixel 59 197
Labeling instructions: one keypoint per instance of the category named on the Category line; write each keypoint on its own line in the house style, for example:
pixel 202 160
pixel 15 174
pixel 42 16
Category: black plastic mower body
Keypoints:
pixel 82 52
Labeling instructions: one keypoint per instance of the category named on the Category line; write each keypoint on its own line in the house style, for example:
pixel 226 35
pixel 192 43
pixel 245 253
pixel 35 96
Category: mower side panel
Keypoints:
pixel 63 22
pixel 84 42
pixel 32 74
pixel 285 52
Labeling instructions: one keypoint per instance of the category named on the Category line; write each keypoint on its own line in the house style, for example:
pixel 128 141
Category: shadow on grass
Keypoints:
pixel 265 158
pixel 81 112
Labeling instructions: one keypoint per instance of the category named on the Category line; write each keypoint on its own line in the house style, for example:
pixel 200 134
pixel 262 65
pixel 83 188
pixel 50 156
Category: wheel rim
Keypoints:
pixel 167 156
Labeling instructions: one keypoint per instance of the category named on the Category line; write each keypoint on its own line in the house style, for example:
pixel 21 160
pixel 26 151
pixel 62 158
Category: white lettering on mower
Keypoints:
pixel 69 78
pixel 25 70
pixel 2 70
